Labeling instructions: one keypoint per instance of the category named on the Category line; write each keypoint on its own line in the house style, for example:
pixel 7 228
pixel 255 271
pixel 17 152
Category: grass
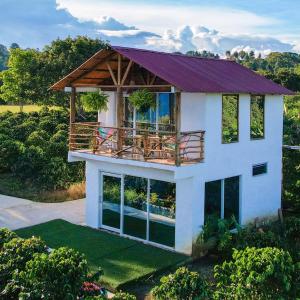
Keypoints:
pixel 123 260
pixel 26 108
pixel 13 186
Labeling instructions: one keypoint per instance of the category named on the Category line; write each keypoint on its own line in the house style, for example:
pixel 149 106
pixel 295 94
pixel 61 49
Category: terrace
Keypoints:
pixel 153 138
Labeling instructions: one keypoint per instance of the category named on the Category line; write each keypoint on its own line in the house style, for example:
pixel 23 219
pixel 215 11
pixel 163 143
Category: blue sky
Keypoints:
pixel 180 25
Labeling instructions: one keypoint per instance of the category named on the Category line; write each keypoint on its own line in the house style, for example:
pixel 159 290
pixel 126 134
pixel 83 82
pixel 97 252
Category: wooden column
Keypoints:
pixel 72 116
pixel 120 113
pixel 177 127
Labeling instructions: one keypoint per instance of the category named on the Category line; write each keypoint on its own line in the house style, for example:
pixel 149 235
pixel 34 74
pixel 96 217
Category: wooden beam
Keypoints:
pixel 72 105
pixel 177 127
pixel 152 80
pixel 126 72
pixel 119 68
pixel 119 116
pixel 111 73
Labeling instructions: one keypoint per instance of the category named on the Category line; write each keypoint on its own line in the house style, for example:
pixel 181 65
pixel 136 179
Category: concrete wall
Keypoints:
pixel 260 196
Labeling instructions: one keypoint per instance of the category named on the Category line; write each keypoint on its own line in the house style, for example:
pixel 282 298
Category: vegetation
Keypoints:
pixel 182 285
pixel 142 100
pixel 94 101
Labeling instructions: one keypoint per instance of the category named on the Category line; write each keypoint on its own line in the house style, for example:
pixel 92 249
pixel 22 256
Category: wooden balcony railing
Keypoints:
pixel 138 144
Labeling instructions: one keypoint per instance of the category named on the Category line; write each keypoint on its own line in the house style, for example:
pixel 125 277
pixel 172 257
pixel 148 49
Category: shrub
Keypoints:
pixel 15 254
pixel 182 285
pixel 6 235
pixel 123 296
pixel 58 275
pixel 253 273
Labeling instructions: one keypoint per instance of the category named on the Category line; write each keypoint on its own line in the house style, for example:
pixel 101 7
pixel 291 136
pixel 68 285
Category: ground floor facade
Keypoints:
pixel 166 206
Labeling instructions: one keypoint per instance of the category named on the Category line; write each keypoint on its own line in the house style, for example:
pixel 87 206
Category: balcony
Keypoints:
pixel 151 145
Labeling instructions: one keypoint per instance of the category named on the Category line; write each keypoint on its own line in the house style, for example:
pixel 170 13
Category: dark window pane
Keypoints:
pixel 230 111
pixel 135 206
pixel 259 169
pixel 257 117
pixel 213 199
pixel 231 197
pixel 162 213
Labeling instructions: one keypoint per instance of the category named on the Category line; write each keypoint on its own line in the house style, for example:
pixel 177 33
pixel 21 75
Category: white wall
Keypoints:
pixel 108 118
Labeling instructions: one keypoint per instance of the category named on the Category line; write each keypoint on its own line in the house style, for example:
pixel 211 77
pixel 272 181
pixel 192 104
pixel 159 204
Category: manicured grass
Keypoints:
pixel 16 108
pixel 123 260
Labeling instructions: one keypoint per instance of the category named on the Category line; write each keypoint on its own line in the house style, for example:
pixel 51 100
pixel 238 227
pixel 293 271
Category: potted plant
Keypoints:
pixel 95 101
pixel 142 100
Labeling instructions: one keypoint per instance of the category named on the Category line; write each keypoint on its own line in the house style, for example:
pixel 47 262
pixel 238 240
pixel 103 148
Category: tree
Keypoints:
pixel 3 57
pixel 20 80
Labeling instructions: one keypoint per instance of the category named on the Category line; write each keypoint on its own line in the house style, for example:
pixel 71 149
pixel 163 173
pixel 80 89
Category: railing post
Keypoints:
pixel 72 117
pixel 177 127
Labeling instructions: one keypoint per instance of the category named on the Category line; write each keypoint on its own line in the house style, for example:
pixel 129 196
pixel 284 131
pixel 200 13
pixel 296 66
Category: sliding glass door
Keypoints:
pixel 139 207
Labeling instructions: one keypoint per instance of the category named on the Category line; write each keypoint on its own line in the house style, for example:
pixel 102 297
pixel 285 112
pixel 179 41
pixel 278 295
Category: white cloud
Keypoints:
pixel 201 38
pixel 155 17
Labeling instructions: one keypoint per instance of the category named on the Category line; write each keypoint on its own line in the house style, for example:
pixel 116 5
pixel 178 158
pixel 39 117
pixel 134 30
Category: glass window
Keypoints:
pixel 257 130
pixel 135 206
pixel 259 169
pixel 111 206
pixel 230 111
pixel 213 198
pixel 162 213
pixel 166 111
pixel 231 197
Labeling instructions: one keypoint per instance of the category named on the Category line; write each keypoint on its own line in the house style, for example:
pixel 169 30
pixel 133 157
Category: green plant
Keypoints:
pixel 6 235
pixel 58 275
pixel 94 101
pixel 182 285
pixel 142 100
pixel 254 273
pixel 15 254
pixel 123 296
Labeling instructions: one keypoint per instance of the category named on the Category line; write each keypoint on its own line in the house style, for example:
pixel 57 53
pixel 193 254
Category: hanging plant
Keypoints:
pixel 94 101
pixel 142 100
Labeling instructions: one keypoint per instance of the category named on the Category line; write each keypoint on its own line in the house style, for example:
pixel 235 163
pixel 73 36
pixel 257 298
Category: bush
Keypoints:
pixel 58 275
pixel 6 235
pixel 253 273
pixel 15 254
pixel 123 296
pixel 182 285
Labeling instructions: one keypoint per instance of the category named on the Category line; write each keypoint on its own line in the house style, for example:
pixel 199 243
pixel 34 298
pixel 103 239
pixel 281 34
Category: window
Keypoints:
pixel 222 198
pixel 230 118
pixel 160 118
pixel 257 112
pixel 259 169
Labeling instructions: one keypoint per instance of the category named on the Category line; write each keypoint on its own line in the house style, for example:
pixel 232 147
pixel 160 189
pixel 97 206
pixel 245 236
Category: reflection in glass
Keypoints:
pixel 257 116
pixel 213 199
pixel 231 197
pixel 111 206
pixel 162 213
pixel 135 206
pixel 230 111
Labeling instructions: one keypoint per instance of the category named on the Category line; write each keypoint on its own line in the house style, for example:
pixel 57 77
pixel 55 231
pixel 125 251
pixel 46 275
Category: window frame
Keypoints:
pixel 264 118
pixel 265 164
pixel 238 119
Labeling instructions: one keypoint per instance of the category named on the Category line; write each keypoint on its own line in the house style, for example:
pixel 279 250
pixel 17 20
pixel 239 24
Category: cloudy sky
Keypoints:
pixel 169 25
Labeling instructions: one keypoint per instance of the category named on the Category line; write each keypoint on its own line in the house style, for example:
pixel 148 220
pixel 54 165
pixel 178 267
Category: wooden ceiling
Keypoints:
pixel 108 69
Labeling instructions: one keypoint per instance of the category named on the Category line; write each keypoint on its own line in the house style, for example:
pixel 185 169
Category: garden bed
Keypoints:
pixel 124 261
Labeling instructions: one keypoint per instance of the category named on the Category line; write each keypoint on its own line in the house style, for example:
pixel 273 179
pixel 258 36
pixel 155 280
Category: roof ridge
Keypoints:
pixel 170 53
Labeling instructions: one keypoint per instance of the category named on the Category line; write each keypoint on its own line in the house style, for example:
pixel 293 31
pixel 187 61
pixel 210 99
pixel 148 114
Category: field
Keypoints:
pixel 16 108
pixel 123 260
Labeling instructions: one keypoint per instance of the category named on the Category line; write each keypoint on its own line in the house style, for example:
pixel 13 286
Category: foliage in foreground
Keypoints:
pixel 182 285
pixel 254 273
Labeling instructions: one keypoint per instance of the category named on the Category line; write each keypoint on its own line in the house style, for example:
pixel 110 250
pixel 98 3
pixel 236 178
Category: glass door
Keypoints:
pixel 111 191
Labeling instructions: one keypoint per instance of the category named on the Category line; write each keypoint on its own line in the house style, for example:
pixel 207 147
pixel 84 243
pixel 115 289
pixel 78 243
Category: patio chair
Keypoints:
pixel 104 137
pixel 169 146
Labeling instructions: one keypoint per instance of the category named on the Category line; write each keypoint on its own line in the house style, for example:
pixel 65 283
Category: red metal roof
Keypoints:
pixel 194 74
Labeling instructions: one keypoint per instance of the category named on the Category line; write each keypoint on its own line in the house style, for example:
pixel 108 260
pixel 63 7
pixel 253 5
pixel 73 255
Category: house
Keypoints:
pixel 209 145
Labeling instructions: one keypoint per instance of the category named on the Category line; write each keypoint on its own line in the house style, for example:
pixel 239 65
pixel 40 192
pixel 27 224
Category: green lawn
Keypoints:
pixel 123 260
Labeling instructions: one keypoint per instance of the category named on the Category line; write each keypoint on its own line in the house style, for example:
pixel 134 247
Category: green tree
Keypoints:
pixel 20 80
pixel 3 57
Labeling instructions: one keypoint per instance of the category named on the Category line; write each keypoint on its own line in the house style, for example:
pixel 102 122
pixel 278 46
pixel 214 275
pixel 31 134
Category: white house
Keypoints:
pixel 211 144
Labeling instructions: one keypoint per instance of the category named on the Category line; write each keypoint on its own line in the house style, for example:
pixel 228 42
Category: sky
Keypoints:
pixel 178 25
